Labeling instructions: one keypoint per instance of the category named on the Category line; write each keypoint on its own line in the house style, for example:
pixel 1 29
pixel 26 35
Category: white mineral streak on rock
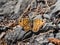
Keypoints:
pixel 2 34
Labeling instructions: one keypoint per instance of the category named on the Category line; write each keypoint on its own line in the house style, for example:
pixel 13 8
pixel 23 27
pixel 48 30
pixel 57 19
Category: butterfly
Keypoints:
pixel 33 25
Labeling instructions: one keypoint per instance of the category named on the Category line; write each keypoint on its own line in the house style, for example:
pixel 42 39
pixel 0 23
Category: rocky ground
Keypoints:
pixel 13 32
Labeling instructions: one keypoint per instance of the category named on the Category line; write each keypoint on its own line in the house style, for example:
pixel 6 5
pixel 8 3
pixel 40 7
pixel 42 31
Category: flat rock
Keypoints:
pixel 51 44
pixel 58 35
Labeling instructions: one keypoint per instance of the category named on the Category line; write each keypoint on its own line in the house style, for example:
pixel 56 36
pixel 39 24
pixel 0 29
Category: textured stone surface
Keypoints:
pixel 40 9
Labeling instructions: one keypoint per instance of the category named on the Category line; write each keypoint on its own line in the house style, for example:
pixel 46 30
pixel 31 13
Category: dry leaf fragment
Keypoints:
pixel 2 42
pixel 11 23
pixel 37 24
pixel 2 34
pixel 54 40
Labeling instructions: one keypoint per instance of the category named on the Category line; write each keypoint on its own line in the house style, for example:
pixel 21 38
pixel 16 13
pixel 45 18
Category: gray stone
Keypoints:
pixel 8 9
pixel 38 17
pixel 20 36
pixel 1 10
pixel 17 28
pixel 17 7
pixel 51 44
pixel 17 34
pixel 4 1
pixel 46 16
pixel 51 35
pixel 3 28
pixel 12 3
pixel 48 25
pixel 59 25
pixel 14 16
pixel 39 39
pixel 24 5
pixel 36 43
pixel 58 35
pixel 31 15
pixel 33 5
pixel 27 35
pixel 57 7
pixel 1 17
pixel 44 41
